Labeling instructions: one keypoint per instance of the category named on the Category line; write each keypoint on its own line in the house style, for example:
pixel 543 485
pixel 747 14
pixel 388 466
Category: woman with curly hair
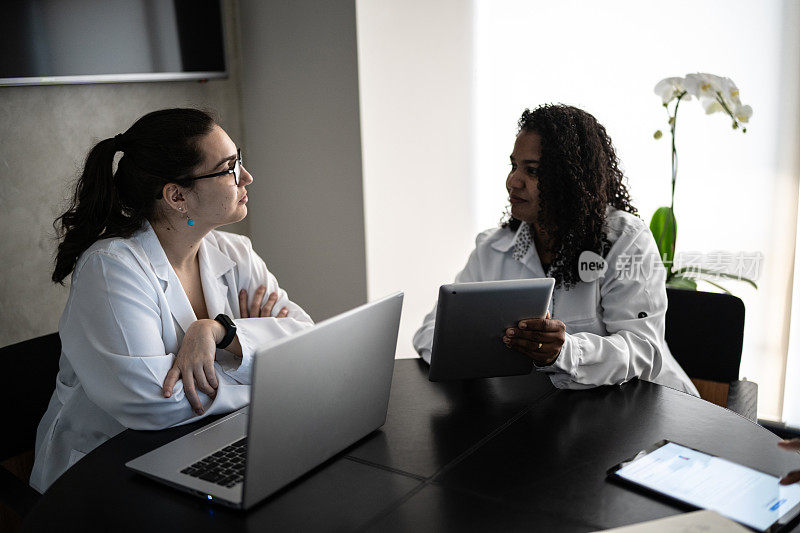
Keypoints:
pixel 568 197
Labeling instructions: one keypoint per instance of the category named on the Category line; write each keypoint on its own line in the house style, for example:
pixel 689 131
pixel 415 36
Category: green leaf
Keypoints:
pixel 717 285
pixel 680 282
pixel 665 229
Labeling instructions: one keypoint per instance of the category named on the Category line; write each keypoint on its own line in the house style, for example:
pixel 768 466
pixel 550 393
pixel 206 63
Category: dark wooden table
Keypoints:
pixel 500 454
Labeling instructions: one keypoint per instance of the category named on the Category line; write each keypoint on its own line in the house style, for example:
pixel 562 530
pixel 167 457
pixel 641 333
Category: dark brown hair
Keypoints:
pixel 161 147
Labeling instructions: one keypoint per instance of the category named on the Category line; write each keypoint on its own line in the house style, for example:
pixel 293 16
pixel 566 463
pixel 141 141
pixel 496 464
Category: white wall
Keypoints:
pixel 791 400
pixel 416 82
pixel 303 147
pixel 789 161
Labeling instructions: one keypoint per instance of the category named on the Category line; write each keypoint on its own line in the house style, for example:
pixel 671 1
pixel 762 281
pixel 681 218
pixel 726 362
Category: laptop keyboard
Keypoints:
pixel 225 467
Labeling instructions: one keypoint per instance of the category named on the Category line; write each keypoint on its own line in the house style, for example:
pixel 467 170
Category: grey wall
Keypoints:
pixel 45 133
pixel 301 121
pixel 297 102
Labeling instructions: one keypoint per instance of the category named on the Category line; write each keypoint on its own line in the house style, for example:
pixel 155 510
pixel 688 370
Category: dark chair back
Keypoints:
pixel 704 331
pixel 31 367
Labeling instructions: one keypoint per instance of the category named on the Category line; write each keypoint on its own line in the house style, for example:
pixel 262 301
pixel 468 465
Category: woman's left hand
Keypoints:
pixel 792 445
pixel 541 339
pixel 256 310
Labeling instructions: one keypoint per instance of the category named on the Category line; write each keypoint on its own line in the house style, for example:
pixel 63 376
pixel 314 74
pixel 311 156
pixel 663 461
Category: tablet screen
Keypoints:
pixel 748 496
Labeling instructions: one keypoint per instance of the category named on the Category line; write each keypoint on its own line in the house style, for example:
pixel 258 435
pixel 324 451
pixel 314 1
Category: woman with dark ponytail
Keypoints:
pixel 157 329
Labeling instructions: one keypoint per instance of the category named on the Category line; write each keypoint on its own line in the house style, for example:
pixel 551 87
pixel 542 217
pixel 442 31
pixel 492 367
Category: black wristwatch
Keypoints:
pixel 230 330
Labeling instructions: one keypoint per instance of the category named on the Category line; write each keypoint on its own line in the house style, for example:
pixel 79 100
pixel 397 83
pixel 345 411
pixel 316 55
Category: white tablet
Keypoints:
pixel 471 319
pixel 702 480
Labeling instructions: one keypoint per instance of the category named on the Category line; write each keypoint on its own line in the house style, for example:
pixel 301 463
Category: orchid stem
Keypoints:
pixel 727 109
pixel 673 125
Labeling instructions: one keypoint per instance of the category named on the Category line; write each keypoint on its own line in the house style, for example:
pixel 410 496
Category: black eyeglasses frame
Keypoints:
pixel 236 171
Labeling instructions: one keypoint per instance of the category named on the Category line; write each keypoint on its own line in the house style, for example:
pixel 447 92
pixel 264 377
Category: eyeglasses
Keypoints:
pixel 236 170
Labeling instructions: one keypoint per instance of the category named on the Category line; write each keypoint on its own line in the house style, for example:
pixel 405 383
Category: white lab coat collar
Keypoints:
pixel 215 262
pixel 215 269
pixel 505 243
pixel 506 240
pixel 155 253
pixel 216 274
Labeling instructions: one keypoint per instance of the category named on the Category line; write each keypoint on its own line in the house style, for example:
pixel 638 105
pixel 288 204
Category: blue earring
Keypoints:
pixel 189 220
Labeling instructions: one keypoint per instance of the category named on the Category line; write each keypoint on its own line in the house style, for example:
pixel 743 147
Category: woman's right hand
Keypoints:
pixel 256 310
pixel 194 363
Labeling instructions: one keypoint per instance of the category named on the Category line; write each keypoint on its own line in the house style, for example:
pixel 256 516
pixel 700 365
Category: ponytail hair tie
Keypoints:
pixel 118 140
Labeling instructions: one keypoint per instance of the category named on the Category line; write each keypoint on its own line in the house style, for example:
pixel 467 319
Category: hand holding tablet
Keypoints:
pixel 541 339
pixel 472 319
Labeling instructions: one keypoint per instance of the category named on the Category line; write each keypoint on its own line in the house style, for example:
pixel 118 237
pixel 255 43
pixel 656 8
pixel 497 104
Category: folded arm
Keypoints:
pixel 112 335
pixel 270 316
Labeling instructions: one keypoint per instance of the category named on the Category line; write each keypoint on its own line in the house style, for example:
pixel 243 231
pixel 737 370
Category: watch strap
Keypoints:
pixel 230 330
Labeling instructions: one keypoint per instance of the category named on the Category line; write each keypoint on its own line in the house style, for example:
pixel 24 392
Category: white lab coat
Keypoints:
pixel 606 340
pixel 124 321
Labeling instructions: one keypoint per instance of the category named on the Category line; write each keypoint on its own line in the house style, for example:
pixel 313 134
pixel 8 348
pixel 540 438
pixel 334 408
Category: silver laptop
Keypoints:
pixel 313 394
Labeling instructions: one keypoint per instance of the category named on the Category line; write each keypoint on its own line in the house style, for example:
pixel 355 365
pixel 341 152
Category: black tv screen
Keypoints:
pixel 98 41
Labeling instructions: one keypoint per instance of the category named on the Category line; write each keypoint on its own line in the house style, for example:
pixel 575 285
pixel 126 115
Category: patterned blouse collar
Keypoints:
pixel 522 241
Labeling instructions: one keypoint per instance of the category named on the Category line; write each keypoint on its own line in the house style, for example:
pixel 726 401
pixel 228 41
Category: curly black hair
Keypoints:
pixel 579 176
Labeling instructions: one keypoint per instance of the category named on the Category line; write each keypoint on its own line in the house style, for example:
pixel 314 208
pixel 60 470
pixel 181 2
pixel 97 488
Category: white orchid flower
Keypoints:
pixel 743 113
pixel 716 94
pixel 669 88
pixel 704 85
pixel 711 105
pixel 730 93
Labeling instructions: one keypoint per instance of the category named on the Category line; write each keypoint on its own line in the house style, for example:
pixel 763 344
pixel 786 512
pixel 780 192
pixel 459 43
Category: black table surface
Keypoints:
pixel 501 454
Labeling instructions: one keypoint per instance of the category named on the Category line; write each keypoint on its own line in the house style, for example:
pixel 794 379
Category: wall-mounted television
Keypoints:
pixel 102 41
